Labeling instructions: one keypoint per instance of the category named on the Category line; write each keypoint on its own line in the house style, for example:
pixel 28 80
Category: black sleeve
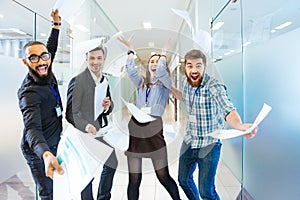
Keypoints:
pixel 52 42
pixel 69 113
pixel 103 118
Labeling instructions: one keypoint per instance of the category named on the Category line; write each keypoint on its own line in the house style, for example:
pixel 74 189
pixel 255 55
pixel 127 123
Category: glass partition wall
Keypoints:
pixel 15 179
pixel 255 51
pixel 226 33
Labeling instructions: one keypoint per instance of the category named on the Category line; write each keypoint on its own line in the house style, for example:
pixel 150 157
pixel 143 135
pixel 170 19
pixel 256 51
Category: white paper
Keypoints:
pixel 185 15
pixel 68 9
pixel 116 56
pixel 82 48
pixel 231 133
pixel 81 156
pixel 169 131
pixel 139 115
pixel 100 94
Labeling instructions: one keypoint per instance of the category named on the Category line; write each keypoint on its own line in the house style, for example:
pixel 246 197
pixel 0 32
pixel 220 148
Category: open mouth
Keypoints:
pixel 194 77
pixel 42 69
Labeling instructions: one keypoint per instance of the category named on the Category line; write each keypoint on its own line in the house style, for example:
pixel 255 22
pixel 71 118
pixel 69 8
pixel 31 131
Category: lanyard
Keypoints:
pixel 55 93
pixel 147 94
pixel 192 101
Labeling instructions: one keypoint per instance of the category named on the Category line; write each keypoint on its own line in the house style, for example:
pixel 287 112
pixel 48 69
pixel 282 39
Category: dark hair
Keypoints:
pixel 147 80
pixel 98 48
pixel 31 43
pixel 195 54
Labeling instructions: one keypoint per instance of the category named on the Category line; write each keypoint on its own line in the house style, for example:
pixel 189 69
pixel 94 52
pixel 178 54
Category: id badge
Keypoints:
pixel 58 111
pixel 192 118
pixel 146 110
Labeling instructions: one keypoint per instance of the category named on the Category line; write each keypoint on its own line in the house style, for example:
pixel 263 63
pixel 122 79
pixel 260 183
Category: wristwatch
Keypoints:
pixel 130 52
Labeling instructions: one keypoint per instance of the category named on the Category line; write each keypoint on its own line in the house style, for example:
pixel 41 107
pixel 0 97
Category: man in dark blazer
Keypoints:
pixel 80 113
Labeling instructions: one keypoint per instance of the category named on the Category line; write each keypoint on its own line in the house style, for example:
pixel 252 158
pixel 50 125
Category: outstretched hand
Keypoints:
pixel 51 164
pixel 55 15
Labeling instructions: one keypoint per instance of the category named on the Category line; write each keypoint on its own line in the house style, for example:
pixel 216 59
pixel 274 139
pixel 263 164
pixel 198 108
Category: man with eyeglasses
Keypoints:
pixel 41 107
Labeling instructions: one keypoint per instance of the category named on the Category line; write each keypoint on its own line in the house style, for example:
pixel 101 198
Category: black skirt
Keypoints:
pixel 146 139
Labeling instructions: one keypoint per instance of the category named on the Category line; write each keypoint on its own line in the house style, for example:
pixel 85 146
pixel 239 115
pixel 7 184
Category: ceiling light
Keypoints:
pixel 227 53
pixel 18 31
pixel 217 26
pixel 82 28
pixel 273 31
pixel 283 25
pixel 246 44
pixel 147 25
pixel 1 16
pixel 151 44
pixel 43 34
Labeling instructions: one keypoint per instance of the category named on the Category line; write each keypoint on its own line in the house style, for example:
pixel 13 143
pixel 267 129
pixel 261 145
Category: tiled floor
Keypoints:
pixel 21 186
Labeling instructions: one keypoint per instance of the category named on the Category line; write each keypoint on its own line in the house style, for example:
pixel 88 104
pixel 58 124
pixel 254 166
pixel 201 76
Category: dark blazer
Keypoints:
pixel 80 102
pixel 42 126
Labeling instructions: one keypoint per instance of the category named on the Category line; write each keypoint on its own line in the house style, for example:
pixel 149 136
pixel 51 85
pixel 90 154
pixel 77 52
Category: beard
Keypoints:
pixel 193 83
pixel 41 80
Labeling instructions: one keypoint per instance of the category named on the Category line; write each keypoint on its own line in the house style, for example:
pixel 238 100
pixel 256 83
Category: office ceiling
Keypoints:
pixel 260 17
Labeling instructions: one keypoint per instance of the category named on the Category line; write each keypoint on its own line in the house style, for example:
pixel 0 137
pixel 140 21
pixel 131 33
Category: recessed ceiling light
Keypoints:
pixel 246 44
pixel 18 31
pixel 217 26
pixel 43 34
pixel 1 16
pixel 151 44
pixel 284 25
pixel 147 25
pixel 82 28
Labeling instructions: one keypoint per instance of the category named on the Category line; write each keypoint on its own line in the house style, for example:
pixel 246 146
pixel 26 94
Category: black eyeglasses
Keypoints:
pixel 35 58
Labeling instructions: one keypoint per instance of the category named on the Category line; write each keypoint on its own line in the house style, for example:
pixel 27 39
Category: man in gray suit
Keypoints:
pixel 80 113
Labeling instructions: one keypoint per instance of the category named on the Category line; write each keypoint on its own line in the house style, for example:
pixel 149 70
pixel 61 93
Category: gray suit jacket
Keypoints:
pixel 80 102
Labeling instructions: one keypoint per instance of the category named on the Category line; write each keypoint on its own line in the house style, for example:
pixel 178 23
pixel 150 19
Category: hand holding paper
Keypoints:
pixel 227 134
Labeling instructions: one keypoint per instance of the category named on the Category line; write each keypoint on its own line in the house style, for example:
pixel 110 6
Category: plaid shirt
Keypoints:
pixel 207 107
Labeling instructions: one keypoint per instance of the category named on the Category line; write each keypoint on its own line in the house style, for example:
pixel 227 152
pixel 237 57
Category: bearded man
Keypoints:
pixel 208 107
pixel 41 107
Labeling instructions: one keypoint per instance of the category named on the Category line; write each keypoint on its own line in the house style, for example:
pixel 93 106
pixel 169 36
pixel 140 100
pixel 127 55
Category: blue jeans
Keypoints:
pixel 207 159
pixel 106 180
pixel 37 168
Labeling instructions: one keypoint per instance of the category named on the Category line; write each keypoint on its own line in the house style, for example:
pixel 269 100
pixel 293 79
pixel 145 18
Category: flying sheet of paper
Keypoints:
pixel 82 48
pixel 116 55
pixel 114 136
pixel 139 115
pixel 231 133
pixel 80 156
pixel 185 15
pixel 68 9
pixel 100 94
pixel 169 131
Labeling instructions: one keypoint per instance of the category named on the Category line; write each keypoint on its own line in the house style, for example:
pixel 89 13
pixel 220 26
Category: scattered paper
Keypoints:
pixel 116 56
pixel 169 131
pixel 80 156
pixel 68 9
pixel 114 136
pixel 231 133
pixel 100 94
pixel 185 15
pixel 82 48
pixel 139 115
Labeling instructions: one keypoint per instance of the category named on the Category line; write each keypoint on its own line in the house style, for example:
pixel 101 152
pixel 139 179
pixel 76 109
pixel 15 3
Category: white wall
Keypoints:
pixel 12 73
